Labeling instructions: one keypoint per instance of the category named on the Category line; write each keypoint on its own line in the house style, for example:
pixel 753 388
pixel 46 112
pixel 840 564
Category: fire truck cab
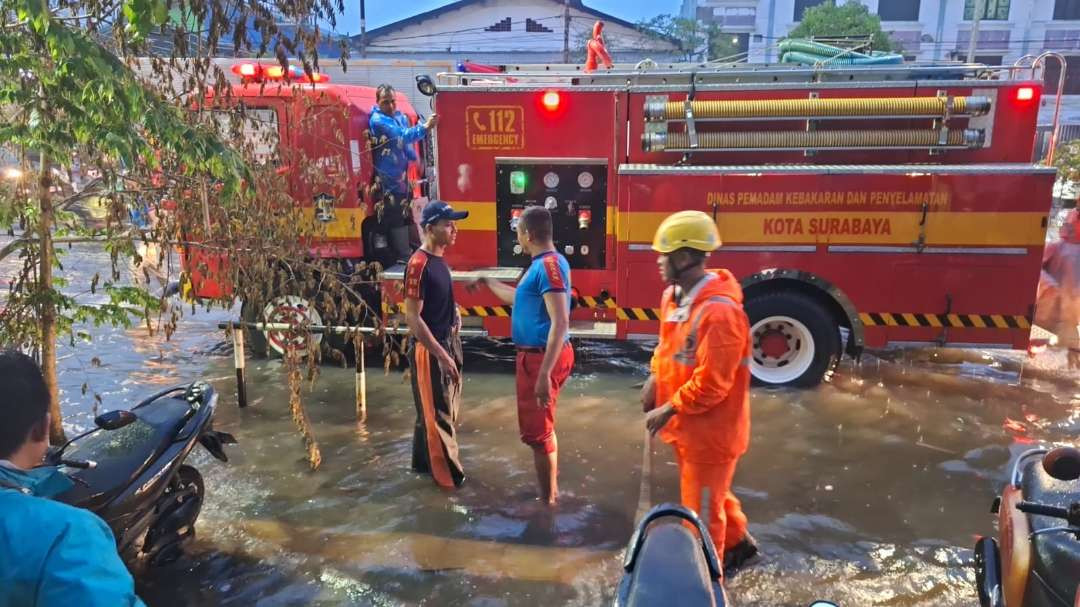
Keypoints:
pixel 316 134
pixel 860 207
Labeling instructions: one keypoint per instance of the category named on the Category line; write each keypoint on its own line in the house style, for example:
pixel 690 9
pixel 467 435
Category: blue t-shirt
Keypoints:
pixel 530 324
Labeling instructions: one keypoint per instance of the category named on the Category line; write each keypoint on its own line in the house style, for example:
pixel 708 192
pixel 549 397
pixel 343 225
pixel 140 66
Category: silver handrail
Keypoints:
pixel 1040 61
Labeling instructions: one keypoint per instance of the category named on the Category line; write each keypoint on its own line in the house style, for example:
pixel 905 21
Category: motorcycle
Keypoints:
pixel 1035 562
pixel 666 564
pixel 130 470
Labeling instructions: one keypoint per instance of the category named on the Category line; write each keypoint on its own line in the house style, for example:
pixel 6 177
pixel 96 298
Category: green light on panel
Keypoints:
pixel 517 182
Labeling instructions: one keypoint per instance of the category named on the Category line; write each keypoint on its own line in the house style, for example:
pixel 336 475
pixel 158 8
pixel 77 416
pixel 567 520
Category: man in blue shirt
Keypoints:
pixel 51 554
pixel 393 149
pixel 540 325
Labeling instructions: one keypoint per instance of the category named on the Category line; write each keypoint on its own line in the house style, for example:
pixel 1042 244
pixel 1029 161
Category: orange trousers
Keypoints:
pixel 726 521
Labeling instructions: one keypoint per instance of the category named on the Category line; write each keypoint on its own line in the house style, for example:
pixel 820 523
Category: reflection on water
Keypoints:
pixel 867 491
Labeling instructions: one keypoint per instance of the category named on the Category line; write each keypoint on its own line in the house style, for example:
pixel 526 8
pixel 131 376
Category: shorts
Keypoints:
pixel 537 424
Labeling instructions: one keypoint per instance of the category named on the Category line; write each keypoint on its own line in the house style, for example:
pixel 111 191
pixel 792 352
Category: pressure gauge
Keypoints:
pixel 551 203
pixel 551 180
pixel 585 180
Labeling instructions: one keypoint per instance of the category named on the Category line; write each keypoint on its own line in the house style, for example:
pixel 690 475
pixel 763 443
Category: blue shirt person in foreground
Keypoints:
pixel 392 150
pixel 540 326
pixel 51 554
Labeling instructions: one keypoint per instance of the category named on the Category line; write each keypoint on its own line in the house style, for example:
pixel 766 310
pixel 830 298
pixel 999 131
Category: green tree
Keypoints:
pixel 1067 161
pixel 853 19
pixel 92 108
pixel 697 41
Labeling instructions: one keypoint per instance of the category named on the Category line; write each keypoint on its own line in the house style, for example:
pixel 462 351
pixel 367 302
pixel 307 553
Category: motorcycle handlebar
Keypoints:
pixel 1043 509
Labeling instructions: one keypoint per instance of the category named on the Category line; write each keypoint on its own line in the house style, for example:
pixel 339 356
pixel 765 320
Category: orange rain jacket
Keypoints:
pixel 701 366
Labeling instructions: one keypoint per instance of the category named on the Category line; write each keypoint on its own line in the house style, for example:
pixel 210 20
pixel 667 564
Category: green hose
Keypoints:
pixel 808 52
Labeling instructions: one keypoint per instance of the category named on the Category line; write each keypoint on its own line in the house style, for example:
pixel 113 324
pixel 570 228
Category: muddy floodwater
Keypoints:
pixel 866 491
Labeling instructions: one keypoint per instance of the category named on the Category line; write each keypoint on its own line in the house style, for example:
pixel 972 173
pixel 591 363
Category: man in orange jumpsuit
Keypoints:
pixel 698 394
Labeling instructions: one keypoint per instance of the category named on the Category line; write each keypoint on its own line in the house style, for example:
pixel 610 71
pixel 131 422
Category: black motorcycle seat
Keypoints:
pixel 1055 556
pixel 123 454
pixel 670 570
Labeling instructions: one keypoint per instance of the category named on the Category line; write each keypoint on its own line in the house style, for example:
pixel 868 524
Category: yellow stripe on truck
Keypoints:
pixel 850 227
pixel 942 228
pixel 346 223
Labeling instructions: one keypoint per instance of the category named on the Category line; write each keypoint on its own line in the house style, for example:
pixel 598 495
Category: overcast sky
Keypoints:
pixel 383 12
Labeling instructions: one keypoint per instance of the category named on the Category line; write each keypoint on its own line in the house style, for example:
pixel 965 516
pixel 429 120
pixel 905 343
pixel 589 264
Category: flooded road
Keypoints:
pixel 866 491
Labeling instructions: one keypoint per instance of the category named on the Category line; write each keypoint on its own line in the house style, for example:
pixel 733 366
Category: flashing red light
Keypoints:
pixel 1025 93
pixel 551 100
pixel 246 70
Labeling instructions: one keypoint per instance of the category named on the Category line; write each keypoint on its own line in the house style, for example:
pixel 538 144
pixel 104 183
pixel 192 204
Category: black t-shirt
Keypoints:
pixel 427 278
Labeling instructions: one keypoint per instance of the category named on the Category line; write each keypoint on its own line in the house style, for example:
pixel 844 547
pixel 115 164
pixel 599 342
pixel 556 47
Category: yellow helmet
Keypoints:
pixel 687 229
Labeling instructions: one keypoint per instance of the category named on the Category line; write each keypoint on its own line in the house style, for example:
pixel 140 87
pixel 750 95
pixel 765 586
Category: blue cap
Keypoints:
pixel 437 209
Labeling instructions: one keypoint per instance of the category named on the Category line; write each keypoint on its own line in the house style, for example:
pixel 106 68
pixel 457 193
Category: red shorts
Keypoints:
pixel 537 424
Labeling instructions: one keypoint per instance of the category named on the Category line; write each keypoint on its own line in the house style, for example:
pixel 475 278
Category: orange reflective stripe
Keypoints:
pixel 440 470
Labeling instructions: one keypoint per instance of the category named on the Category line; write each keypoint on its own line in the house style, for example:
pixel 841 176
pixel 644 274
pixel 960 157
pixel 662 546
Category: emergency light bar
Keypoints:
pixel 255 72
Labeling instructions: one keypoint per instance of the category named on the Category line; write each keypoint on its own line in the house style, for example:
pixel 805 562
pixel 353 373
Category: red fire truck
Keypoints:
pixel 293 119
pixel 860 207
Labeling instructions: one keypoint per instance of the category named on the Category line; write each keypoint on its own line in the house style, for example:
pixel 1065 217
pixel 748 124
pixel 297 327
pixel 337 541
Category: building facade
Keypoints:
pixel 510 31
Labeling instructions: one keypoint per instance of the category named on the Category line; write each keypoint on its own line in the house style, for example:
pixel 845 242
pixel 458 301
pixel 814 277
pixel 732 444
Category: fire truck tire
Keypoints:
pixel 794 340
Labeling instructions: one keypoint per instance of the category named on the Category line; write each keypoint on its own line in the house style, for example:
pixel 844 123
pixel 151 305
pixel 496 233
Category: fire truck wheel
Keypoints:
pixel 283 309
pixel 794 340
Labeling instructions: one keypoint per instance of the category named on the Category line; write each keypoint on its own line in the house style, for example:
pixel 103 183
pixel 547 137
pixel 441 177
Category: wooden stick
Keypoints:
pixel 238 362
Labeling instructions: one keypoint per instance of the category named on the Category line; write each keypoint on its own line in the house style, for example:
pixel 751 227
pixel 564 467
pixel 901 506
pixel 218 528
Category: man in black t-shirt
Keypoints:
pixel 435 347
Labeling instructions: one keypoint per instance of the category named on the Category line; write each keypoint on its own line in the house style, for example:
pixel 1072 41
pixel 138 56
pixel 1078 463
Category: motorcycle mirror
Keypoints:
pixel 114 420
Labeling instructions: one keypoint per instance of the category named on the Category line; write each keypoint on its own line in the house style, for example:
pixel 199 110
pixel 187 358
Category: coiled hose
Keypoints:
pixel 808 52
pixel 764 140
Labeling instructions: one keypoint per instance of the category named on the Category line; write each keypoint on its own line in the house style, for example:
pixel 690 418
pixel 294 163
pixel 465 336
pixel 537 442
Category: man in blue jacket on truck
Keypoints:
pixel 51 554
pixel 393 149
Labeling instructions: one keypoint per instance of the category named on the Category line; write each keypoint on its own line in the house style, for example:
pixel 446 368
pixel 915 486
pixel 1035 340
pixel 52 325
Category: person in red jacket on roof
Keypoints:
pixel 698 393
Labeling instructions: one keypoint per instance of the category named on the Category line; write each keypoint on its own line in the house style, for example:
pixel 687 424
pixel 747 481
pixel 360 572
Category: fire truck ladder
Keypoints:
pixel 661 112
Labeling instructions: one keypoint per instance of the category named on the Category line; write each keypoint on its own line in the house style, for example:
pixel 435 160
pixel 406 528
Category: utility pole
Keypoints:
pixel 363 31
pixel 980 8
pixel 566 32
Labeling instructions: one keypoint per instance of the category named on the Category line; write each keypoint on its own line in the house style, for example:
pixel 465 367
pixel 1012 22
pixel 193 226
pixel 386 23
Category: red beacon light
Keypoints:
pixel 551 100
pixel 258 73
pixel 247 70
pixel 1025 93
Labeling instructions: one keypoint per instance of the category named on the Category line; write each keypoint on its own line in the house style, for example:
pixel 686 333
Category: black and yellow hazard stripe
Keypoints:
pixel 637 313
pixel 958 321
pixel 585 301
pixel 484 311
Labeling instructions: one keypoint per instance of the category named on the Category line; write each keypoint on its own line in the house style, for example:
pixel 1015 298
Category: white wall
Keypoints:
pixel 462 31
